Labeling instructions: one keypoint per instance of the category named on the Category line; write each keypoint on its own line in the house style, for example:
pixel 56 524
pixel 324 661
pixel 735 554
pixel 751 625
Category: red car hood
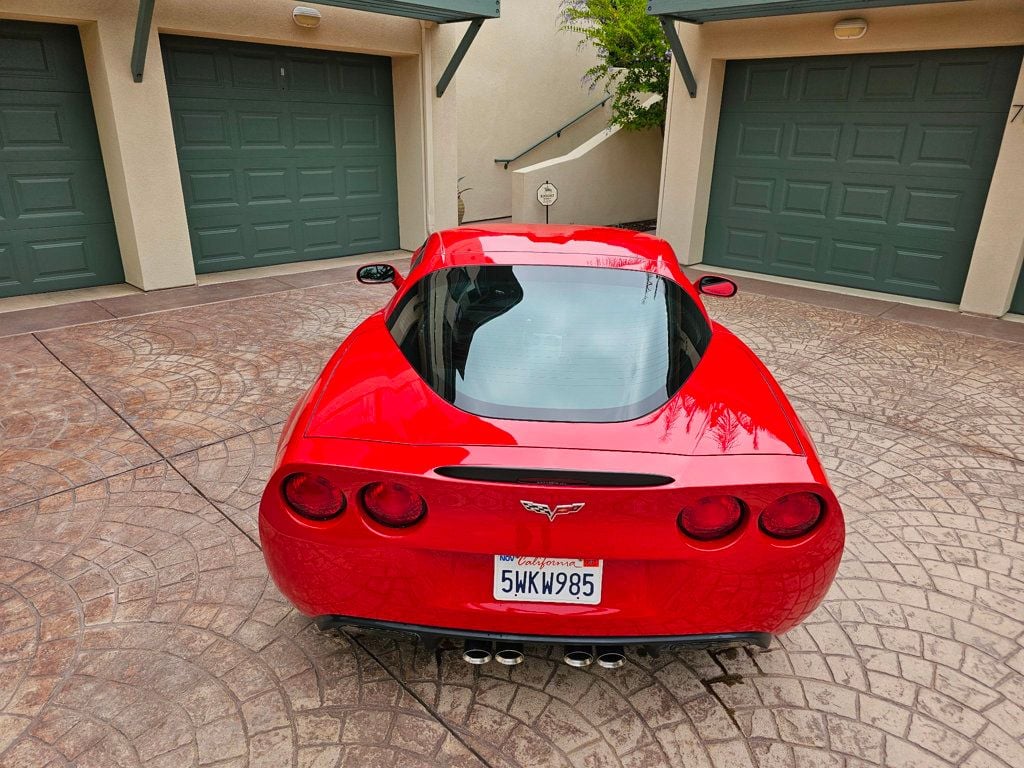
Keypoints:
pixel 369 392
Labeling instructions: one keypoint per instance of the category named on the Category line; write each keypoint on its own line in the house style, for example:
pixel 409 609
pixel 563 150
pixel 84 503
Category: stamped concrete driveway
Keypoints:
pixel 138 625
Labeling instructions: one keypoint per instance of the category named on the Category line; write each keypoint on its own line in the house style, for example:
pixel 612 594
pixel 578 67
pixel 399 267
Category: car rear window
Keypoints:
pixel 544 343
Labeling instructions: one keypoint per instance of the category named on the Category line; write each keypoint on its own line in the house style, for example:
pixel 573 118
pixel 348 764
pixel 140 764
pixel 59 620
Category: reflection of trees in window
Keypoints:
pixel 591 344
pixel 725 425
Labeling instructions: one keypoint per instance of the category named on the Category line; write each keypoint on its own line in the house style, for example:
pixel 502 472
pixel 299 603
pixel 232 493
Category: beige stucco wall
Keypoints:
pixel 999 249
pixel 134 119
pixel 610 179
pixel 520 81
pixel 692 126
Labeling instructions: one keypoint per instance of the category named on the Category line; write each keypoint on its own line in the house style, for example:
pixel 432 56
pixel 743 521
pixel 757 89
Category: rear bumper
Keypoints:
pixel 705 594
pixel 657 583
pixel 720 640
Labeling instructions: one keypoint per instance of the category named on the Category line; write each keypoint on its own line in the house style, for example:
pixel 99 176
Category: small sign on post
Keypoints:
pixel 547 194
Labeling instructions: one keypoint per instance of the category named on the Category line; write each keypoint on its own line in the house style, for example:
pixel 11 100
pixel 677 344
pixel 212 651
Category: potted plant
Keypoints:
pixel 460 190
pixel 634 56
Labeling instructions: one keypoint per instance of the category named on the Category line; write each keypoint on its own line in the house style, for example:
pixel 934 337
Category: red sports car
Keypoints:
pixel 543 437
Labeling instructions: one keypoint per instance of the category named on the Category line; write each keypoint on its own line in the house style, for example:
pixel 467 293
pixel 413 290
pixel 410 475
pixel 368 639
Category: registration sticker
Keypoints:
pixel 547 579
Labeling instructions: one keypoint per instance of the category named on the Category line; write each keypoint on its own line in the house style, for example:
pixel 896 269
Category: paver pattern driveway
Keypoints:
pixel 138 625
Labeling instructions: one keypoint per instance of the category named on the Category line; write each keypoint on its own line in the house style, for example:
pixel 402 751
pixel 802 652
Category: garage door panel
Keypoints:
pixel 319 184
pixel 263 130
pixel 312 131
pixel 279 168
pixel 955 145
pixel 56 223
pixel 47 126
pixel 852 259
pixel 238 71
pixel 1017 303
pixel 61 257
pixel 826 81
pixel 864 203
pixel 215 189
pixel 204 130
pixel 872 203
pixel 58 258
pixel 41 57
pixel 922 270
pixel 952 146
pixel 219 245
pixel 972 77
pixel 897 265
pixel 58 193
pixel 266 237
pixel 939 81
pixel 817 142
pixel 268 187
pixel 888 82
pixel 870 171
pixel 324 234
pixel 274 241
pixel 805 198
pixel 210 189
pixel 246 222
pixel 798 254
pixel 863 231
pixel 254 68
pixel 10 275
pixel 793 226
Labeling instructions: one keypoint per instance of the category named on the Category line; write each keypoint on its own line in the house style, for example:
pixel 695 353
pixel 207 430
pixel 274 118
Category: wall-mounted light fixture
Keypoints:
pixel 306 17
pixel 851 29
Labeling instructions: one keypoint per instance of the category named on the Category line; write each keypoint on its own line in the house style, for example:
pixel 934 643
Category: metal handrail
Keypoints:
pixel 557 133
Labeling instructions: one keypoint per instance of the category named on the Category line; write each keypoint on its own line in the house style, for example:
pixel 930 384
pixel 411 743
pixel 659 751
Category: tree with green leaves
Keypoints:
pixel 634 56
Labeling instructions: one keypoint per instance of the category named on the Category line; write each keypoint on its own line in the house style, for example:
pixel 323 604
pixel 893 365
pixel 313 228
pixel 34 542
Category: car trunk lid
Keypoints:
pixel 727 406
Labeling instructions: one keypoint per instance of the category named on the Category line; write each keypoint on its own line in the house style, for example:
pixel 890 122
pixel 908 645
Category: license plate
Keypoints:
pixel 547 580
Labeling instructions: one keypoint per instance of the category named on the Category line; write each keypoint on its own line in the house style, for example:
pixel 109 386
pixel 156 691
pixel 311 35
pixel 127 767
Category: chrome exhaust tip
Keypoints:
pixel 611 657
pixel 476 652
pixel 578 655
pixel 509 654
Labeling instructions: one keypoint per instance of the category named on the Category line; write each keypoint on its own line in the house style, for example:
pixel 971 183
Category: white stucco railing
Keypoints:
pixel 609 179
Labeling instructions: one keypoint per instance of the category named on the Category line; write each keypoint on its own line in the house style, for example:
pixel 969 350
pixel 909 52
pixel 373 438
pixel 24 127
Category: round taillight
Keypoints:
pixel 711 518
pixel 313 496
pixel 393 505
pixel 792 515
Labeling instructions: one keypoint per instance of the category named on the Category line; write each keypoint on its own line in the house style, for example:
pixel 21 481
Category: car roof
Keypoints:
pixel 549 244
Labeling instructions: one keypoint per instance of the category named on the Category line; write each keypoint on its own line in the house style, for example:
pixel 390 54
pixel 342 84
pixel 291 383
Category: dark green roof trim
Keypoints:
pixel 679 55
pixel 143 24
pixel 458 56
pixel 699 11
pixel 441 11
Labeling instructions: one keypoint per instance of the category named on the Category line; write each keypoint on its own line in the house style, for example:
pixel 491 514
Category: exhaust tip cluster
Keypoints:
pixel 608 656
pixel 509 654
pixel 578 656
pixel 478 652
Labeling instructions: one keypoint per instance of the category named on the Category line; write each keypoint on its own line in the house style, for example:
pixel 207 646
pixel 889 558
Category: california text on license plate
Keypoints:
pixel 547 579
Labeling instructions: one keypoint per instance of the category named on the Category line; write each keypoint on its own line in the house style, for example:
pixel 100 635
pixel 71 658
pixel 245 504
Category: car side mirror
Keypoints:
pixel 375 274
pixel 715 285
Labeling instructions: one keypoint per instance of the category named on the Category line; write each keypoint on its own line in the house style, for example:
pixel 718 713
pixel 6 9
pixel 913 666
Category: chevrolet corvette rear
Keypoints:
pixel 532 442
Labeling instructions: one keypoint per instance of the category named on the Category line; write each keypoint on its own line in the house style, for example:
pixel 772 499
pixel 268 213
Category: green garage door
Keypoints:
pixel 868 171
pixel 286 154
pixel 1017 305
pixel 56 226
